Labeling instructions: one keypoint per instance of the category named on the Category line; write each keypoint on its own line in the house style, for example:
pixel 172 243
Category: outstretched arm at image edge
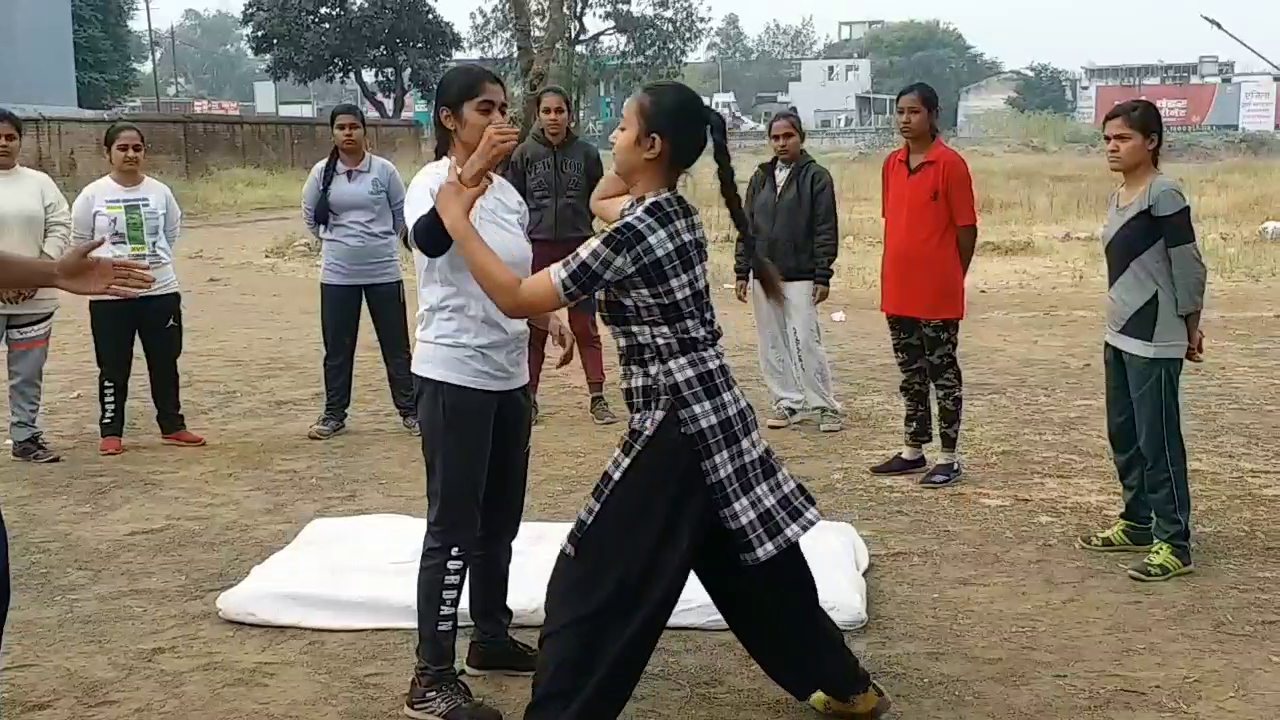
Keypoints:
pixel 20 273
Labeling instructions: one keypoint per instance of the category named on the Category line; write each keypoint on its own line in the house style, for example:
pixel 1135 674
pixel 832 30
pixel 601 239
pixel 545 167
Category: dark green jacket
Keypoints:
pixel 796 229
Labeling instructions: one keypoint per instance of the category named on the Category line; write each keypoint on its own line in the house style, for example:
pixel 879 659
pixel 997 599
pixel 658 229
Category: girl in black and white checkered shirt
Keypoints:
pixel 692 485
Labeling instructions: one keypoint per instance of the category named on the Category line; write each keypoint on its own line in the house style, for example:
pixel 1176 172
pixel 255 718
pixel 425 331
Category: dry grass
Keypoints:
pixel 1040 212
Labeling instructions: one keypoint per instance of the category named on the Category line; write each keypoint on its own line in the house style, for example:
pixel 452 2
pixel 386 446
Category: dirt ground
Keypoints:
pixel 980 606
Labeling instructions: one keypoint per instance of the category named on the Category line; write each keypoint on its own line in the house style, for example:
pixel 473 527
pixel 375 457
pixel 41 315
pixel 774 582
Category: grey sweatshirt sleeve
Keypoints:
pixel 1173 214
pixel 395 196
pixel 310 196
pixel 514 173
pixel 57 221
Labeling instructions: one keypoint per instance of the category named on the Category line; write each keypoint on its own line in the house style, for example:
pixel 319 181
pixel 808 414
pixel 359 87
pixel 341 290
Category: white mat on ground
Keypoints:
pixel 360 573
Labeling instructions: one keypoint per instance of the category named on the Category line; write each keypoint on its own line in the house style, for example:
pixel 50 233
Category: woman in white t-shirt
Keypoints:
pixel 139 218
pixel 474 407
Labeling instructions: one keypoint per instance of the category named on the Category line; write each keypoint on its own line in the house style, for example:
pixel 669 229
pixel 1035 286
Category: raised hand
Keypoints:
pixel 496 144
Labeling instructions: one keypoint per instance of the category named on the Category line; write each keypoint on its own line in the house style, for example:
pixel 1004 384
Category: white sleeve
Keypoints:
pixel 172 218
pixel 82 216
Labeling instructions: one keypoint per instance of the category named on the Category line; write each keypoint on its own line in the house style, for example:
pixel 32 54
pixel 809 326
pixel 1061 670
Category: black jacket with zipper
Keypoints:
pixel 797 228
pixel 556 181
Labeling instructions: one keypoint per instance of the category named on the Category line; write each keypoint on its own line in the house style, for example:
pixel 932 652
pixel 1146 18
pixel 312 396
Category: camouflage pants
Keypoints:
pixel 926 355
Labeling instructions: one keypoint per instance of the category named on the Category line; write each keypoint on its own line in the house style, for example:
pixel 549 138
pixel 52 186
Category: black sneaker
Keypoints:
pixel 898 465
pixel 942 475
pixel 449 700
pixel 34 450
pixel 326 427
pixel 410 423
pixel 510 658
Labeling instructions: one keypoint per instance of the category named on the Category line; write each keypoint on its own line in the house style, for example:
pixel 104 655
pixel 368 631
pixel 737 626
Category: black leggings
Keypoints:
pixel 608 605
pixel 157 321
pixel 476 447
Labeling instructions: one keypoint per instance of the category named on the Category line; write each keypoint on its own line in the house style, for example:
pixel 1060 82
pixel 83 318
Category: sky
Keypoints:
pixel 1066 34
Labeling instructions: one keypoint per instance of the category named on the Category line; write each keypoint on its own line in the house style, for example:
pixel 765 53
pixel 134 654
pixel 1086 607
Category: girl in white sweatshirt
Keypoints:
pixel 35 223
pixel 140 219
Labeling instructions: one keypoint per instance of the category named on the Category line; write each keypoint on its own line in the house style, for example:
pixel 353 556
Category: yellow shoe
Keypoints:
pixel 872 704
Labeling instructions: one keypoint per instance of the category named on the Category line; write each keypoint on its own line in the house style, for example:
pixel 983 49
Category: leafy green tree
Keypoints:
pixel 787 42
pixel 1043 88
pixel 730 43
pixel 209 51
pixel 927 51
pixel 400 44
pixel 584 43
pixel 106 51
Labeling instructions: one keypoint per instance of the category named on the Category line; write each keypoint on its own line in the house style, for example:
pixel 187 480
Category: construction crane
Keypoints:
pixel 1218 26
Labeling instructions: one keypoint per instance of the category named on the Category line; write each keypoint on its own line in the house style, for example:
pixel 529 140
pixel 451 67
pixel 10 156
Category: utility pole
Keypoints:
pixel 173 55
pixel 151 41
pixel 1218 26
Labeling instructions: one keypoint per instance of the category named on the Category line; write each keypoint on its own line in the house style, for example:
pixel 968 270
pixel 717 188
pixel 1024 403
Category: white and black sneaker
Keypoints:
pixel 448 700
pixel 410 423
pixel 326 427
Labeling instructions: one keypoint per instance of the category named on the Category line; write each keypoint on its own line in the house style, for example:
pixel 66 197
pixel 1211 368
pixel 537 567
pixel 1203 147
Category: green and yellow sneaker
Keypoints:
pixel 1124 536
pixel 1162 563
pixel 870 705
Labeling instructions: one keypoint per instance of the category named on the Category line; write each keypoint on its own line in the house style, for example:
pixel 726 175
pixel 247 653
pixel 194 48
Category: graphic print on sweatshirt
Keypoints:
pixel 134 228
pixel 569 172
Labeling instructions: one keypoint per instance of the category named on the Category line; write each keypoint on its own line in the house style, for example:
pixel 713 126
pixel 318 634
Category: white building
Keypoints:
pixel 836 93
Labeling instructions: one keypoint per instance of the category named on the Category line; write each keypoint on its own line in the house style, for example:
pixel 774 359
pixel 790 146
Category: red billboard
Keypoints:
pixel 1180 105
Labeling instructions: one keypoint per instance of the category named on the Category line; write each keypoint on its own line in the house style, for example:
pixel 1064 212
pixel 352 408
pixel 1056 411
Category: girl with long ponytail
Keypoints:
pixel 692 485
pixel 353 203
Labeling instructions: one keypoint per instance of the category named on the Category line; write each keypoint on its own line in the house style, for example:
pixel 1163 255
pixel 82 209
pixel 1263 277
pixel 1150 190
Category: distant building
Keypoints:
pixel 856 29
pixel 1207 69
pixel 38 57
pixel 1208 93
pixel 836 93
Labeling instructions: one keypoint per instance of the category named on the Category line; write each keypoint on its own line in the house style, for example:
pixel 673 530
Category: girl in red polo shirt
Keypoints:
pixel 930 231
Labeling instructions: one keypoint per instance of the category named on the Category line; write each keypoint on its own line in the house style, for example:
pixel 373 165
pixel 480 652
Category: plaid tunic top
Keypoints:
pixel 650 270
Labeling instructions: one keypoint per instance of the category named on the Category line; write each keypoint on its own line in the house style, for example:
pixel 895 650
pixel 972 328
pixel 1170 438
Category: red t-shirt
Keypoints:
pixel 920 273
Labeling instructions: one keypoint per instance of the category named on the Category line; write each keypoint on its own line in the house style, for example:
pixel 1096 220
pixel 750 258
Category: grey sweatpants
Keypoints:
pixel 27 341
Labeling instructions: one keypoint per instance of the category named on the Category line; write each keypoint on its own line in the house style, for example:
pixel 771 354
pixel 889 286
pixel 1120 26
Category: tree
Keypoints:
pixel 787 42
pixel 106 51
pixel 927 51
pixel 1043 88
pixel 400 44
pixel 624 42
pixel 730 43
pixel 209 53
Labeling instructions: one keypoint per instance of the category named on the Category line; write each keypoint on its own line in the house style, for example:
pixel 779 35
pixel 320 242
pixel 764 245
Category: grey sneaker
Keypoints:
pixel 410 423
pixel 781 417
pixel 34 450
pixel 600 412
pixel 450 700
pixel 829 421
pixel 326 427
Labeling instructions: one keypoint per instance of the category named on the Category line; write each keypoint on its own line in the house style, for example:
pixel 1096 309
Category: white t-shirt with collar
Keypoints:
pixel 462 337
